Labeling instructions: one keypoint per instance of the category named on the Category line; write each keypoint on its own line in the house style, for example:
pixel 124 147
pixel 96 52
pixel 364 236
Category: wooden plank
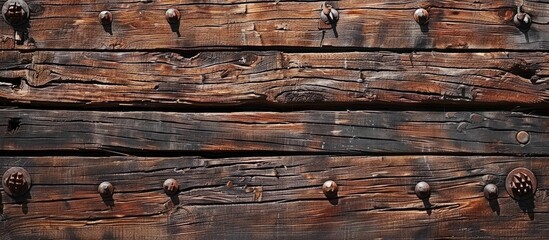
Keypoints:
pixel 219 198
pixel 272 78
pixel 470 24
pixel 292 132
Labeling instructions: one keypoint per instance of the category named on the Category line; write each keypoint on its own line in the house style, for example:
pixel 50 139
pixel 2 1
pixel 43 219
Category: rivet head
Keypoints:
pixel 15 12
pixel 423 190
pixel 421 16
pixel 328 14
pixel 105 189
pixel 521 183
pixel 105 17
pixel 329 188
pixel 522 20
pixel 171 186
pixel 490 191
pixel 173 15
pixel 16 181
pixel 523 137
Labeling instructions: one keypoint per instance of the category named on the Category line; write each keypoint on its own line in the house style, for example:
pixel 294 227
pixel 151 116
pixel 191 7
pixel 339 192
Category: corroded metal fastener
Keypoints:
pixel 421 16
pixel 173 15
pixel 171 186
pixel 491 191
pixel 523 137
pixel 329 188
pixel 15 12
pixel 328 14
pixel 423 190
pixel 16 181
pixel 105 17
pixel 522 20
pixel 521 184
pixel 105 189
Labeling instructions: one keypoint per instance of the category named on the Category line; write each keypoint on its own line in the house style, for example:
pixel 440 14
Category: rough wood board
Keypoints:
pixel 363 24
pixel 268 197
pixel 103 79
pixel 295 132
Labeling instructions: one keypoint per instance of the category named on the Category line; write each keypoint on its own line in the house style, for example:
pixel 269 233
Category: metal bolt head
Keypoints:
pixel 523 137
pixel 421 16
pixel 328 14
pixel 423 190
pixel 105 17
pixel 171 186
pixel 521 184
pixel 491 191
pixel 329 188
pixel 16 181
pixel 522 20
pixel 15 12
pixel 105 189
pixel 173 15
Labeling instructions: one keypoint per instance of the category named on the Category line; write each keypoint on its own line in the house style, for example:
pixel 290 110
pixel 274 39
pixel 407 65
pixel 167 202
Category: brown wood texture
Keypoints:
pixel 273 197
pixel 294 132
pixel 103 79
pixel 387 24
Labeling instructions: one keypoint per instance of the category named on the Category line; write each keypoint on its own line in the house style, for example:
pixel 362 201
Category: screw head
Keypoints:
pixel 16 181
pixel 329 188
pixel 105 17
pixel 171 186
pixel 522 20
pixel 423 190
pixel 105 189
pixel 328 14
pixel 521 184
pixel 421 16
pixel 15 12
pixel 173 15
pixel 491 191
pixel 523 137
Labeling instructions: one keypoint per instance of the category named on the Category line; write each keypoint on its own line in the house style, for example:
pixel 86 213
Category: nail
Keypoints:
pixel 105 17
pixel 173 15
pixel 491 191
pixel 421 16
pixel 105 189
pixel 522 20
pixel 16 181
pixel 329 188
pixel 523 137
pixel 171 186
pixel 423 190
pixel 328 14
pixel 15 12
pixel 521 183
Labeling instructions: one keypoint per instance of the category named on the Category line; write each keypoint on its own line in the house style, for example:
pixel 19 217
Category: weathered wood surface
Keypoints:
pixel 272 197
pixel 308 131
pixel 273 78
pixel 375 24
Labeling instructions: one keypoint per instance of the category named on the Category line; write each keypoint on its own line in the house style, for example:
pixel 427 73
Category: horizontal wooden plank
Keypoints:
pixel 470 24
pixel 104 79
pixel 309 131
pixel 273 197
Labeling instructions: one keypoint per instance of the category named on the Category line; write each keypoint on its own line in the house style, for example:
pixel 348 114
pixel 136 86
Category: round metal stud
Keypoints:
pixel 523 137
pixel 329 188
pixel 171 186
pixel 521 184
pixel 328 14
pixel 16 181
pixel 105 17
pixel 173 15
pixel 105 189
pixel 522 20
pixel 423 190
pixel 15 12
pixel 491 191
pixel 421 16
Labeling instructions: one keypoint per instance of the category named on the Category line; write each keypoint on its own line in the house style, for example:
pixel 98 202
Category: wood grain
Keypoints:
pixel 291 132
pixel 272 78
pixel 219 198
pixel 384 24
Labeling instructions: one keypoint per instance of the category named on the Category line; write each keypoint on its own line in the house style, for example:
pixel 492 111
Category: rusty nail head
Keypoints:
pixel 329 188
pixel 15 12
pixel 16 181
pixel 423 190
pixel 328 14
pixel 491 191
pixel 521 184
pixel 523 137
pixel 171 186
pixel 421 16
pixel 105 189
pixel 173 15
pixel 522 20
pixel 105 17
